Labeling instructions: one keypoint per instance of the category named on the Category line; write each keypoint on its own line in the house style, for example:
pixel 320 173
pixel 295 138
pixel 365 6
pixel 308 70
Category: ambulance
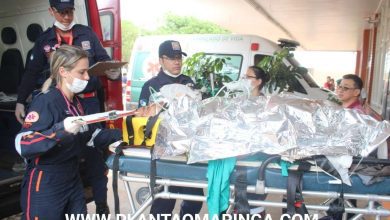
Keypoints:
pixel 243 51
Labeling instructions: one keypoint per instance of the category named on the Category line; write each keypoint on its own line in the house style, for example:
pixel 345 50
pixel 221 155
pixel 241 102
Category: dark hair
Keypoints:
pixel 260 74
pixel 356 79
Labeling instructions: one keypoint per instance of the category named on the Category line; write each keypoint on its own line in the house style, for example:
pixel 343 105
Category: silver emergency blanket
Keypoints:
pixel 284 124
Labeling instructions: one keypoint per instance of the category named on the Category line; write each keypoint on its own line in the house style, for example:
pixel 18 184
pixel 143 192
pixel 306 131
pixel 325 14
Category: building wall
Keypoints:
pixel 380 91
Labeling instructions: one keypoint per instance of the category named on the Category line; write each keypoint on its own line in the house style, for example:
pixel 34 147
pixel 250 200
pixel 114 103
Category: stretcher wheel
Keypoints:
pixel 142 194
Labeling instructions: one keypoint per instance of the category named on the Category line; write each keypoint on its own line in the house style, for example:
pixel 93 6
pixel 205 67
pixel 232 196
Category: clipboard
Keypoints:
pixel 105 116
pixel 99 68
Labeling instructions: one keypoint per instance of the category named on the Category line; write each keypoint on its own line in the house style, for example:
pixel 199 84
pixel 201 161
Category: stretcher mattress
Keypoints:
pixel 137 161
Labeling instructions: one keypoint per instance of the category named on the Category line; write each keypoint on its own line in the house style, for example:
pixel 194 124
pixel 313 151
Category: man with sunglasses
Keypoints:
pixel 349 92
pixel 66 31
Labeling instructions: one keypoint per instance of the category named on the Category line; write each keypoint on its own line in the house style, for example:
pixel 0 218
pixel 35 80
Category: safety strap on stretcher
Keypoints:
pixel 295 201
pixel 115 169
pixel 241 205
pixel 148 131
pixel 153 165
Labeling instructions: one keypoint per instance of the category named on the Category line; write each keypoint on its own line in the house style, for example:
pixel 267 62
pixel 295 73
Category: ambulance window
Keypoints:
pixel 304 73
pixel 107 23
pixel 232 67
pixel 296 85
pixel 258 58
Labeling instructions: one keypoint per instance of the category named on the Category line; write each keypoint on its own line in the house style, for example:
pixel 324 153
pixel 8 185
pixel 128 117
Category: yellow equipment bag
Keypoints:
pixel 134 131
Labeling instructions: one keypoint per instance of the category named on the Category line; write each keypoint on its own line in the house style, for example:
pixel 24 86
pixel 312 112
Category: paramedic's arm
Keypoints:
pixel 30 143
pixel 144 96
pixel 39 134
pixel 30 77
pixel 102 138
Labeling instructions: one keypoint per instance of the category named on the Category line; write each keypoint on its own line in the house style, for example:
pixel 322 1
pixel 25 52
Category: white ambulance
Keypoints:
pixel 243 50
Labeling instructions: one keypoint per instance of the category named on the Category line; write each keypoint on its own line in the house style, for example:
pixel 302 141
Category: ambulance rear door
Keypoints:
pixel 110 25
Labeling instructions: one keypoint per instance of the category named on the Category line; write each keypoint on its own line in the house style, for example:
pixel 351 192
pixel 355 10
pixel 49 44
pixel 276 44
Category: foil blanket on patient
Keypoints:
pixel 285 124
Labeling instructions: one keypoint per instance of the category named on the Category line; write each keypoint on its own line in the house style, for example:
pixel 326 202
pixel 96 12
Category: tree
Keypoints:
pixel 207 72
pixel 175 24
pixel 282 77
pixel 129 34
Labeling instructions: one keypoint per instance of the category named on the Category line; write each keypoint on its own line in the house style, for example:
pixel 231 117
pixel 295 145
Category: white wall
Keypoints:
pixel 325 63
pixel 382 63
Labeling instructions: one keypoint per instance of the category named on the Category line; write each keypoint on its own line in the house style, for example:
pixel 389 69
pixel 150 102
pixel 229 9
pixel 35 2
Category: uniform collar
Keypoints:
pixel 76 32
pixel 164 78
pixel 355 104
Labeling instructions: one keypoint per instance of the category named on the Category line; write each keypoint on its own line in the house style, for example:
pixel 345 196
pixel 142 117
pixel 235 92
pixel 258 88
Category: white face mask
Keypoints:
pixel 247 83
pixel 63 27
pixel 78 85
pixel 170 74
pixel 244 85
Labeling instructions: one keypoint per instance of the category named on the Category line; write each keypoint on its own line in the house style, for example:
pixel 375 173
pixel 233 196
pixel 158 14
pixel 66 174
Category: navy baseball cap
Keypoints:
pixel 61 5
pixel 171 49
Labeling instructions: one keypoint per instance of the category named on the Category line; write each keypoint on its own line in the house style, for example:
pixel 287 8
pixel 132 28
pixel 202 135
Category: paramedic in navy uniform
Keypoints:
pixel 170 58
pixel 65 31
pixel 52 138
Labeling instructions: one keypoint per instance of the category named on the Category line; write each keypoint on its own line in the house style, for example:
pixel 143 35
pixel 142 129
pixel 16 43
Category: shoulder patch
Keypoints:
pixel 32 117
pixel 86 45
pixel 46 48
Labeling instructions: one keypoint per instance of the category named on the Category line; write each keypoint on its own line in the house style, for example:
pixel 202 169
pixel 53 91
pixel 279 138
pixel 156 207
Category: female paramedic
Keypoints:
pixel 258 79
pixel 52 138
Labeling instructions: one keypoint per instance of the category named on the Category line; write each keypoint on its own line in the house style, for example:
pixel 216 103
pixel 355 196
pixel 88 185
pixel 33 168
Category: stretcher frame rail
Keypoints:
pixel 371 209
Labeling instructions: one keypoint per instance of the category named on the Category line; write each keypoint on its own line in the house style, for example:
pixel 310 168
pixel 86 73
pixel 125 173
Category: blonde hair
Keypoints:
pixel 65 56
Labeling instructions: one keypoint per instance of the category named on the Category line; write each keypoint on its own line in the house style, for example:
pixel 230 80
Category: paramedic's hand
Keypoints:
pixel 113 74
pixel 20 112
pixel 150 110
pixel 73 124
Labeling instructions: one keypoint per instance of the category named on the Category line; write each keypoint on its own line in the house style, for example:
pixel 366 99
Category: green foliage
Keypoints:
pixel 282 77
pixel 333 98
pixel 175 24
pixel 129 34
pixel 203 68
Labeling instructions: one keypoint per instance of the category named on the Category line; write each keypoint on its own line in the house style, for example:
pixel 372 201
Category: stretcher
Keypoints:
pixel 134 166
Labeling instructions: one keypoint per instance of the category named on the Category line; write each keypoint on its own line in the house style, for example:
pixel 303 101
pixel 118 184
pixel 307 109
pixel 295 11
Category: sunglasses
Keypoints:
pixel 344 88
pixel 249 77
